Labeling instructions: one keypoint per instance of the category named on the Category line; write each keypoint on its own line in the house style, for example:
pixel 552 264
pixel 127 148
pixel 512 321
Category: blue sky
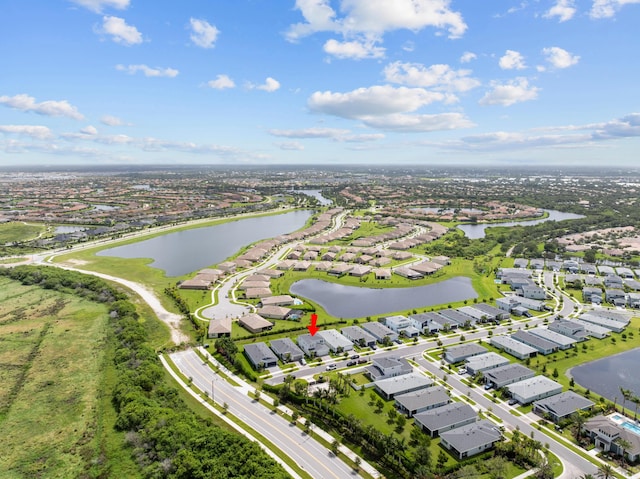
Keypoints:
pixel 320 81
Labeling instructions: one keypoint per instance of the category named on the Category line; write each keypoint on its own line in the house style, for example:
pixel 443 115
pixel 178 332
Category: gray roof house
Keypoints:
pixel 610 324
pixel 383 368
pixel 313 346
pixel 379 331
pixel 513 347
pixel 562 405
pixel 484 362
pixel 532 389
pixel 563 342
pixel 544 346
pixel 568 328
pixel 472 439
pixel 456 317
pixel 444 418
pixel 456 354
pixel 494 313
pixel 509 374
pixel 260 356
pixel 358 336
pixel 337 342
pixel 594 330
pixel 401 324
pixel 423 400
pixel 606 433
pixel 427 322
pixel 286 350
pixel 390 387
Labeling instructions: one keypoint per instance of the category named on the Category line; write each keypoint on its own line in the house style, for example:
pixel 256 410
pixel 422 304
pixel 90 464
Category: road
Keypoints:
pixel 308 453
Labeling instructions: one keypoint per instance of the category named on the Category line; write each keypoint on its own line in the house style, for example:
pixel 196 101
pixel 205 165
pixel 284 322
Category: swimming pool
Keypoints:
pixel 634 428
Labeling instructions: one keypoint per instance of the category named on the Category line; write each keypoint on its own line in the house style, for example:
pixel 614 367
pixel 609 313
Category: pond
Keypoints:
pixel 607 375
pixel 189 250
pixel 68 229
pixel 476 231
pixel 317 195
pixel 351 301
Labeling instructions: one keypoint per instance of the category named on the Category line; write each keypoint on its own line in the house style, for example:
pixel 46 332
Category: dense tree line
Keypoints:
pixel 166 438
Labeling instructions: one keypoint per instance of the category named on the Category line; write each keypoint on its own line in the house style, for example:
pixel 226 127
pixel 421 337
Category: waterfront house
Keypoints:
pixel 561 406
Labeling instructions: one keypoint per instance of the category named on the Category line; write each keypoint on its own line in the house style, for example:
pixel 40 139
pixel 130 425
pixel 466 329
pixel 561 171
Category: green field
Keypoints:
pixel 15 232
pixel 51 358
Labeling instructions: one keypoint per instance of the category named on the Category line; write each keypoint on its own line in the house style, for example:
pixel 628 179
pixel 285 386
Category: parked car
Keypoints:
pixel 351 363
pixel 487 386
pixel 331 367
pixel 355 356
pixel 512 402
pixel 362 361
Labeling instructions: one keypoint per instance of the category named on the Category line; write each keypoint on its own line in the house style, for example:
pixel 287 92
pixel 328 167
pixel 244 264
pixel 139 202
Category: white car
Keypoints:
pixel 331 367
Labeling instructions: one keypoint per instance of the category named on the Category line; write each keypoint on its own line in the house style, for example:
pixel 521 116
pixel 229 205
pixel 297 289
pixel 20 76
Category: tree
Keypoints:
pixel 335 447
pixel 544 471
pixel 624 445
pixel 379 405
pixel 626 394
pixel 555 373
pixel 578 420
pixel 357 461
pixel 497 467
pixel 401 421
pixel 605 471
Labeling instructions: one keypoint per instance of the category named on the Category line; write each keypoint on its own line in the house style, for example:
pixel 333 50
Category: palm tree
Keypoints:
pixel 624 445
pixel 605 471
pixel 578 421
pixel 626 394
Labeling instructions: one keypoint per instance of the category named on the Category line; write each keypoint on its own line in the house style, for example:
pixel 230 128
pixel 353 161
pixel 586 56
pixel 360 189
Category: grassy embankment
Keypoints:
pixel 54 406
pixel 14 231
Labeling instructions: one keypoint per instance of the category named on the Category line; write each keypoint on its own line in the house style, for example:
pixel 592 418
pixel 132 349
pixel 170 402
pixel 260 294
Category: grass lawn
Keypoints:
pixel 52 357
pixel 15 231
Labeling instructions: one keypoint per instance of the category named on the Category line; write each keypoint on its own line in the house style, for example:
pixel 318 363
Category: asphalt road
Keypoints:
pixel 308 453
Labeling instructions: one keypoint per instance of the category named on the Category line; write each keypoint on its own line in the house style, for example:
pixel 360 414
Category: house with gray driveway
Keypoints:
pixel 561 406
pixel 514 348
pixel 472 439
pixel 509 374
pixel 563 342
pixel 532 389
pixel 337 342
pixel 379 331
pixel 313 346
pixel 407 383
pixel 286 350
pixel 484 362
pixel 383 368
pixel 441 419
pixel 543 346
pixel 459 353
pixel 260 356
pixel 358 336
pixel 423 400
pixel 427 322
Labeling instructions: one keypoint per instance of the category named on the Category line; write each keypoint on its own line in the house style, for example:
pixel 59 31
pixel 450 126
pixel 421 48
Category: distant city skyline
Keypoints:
pixel 251 82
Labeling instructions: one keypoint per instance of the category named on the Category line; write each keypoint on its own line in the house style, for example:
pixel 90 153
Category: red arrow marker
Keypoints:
pixel 313 329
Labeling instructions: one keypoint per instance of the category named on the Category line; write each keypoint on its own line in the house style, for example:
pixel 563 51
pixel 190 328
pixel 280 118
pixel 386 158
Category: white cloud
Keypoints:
pixel 221 82
pixel 148 71
pixel 89 130
pixel 356 50
pixel 203 33
pixel 559 57
pixel 120 32
pixel 269 85
pixel 48 108
pixel 290 146
pixel 310 133
pixel 400 122
pixel 375 100
pixel 375 17
pixel 439 77
pixel 98 5
pixel 110 120
pixel 34 131
pixel 514 91
pixel 467 57
pixel 512 60
pixel 563 9
pixel 362 138
pixel 608 8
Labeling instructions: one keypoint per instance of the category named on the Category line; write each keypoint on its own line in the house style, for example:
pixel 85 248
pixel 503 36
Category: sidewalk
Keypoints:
pixel 247 389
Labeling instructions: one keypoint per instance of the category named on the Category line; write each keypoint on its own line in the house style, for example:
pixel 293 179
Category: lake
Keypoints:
pixel 352 302
pixel 476 231
pixel 607 375
pixel 189 250
pixel 317 195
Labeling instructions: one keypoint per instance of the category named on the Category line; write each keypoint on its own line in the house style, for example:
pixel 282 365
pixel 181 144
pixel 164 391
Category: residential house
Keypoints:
pixel 508 374
pixel 382 273
pixel 493 313
pixel 408 273
pixel 563 342
pixel 286 350
pixel 532 389
pixel 219 328
pixel 423 400
pixel 456 317
pixel 406 383
pixel 255 323
pixel 592 294
pixel 384 368
pixel 274 312
pixel 569 328
pixel 254 293
pixel 561 406
pixel 593 330
pixel 610 324
pixel 444 418
pixel 484 362
pixel 472 439
pixel 282 300
pixel 513 347
pixel 544 346
pixel 358 336
pixel 533 292
pixel 260 356
pixel 427 322
pixel 313 346
pixel 402 325
pixel 607 435
pixel 379 331
pixel 360 270
pixel 459 353
pixel 337 342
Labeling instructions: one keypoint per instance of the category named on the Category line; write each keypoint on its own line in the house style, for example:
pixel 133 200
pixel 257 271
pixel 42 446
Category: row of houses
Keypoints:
pixel 522 283
pixel 573 267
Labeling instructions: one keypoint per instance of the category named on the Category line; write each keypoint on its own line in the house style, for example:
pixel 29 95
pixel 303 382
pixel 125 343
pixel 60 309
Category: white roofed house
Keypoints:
pixel 383 368
pixel 402 324
pixel 532 389
pixel 484 362
pixel 508 374
pixel 313 346
pixel 563 342
pixel 515 348
pixel 358 336
pixel 336 342
pixel 422 400
pixel 456 354
pixel 379 331
pixel 390 387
